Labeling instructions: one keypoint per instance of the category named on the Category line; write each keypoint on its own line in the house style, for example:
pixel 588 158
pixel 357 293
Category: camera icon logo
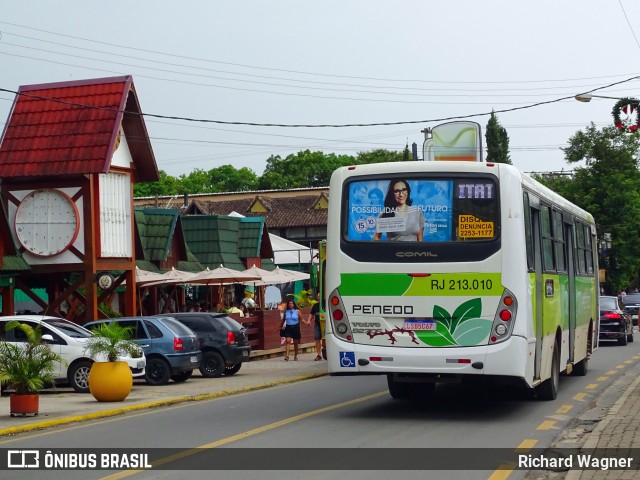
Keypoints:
pixel 23 459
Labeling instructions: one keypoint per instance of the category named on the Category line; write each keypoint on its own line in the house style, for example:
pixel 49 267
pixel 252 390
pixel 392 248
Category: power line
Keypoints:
pixel 183 57
pixel 347 125
pixel 472 92
pixel 629 23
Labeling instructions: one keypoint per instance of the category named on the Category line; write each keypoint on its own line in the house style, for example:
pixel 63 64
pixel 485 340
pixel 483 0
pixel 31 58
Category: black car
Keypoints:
pixel 615 322
pixel 631 303
pixel 223 341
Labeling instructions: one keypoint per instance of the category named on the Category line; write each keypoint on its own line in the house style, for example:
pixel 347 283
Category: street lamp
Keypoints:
pixel 586 97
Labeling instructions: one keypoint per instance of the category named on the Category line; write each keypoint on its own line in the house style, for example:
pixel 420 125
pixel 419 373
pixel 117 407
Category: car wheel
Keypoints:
pixel 622 341
pixel 182 376
pixel 232 369
pixel 212 365
pixel 78 376
pixel 157 371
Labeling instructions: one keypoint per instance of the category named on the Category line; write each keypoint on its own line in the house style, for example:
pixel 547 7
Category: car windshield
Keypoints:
pixel 631 298
pixel 69 328
pixel 608 303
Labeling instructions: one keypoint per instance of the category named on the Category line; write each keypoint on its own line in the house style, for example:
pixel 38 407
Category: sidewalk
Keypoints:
pixel 61 406
pixel 618 426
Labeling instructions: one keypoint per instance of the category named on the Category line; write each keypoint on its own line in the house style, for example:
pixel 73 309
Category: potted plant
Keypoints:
pixel 27 367
pixel 111 380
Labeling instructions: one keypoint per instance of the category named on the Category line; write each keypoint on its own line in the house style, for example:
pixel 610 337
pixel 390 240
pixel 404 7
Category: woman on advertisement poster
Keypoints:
pixel 400 220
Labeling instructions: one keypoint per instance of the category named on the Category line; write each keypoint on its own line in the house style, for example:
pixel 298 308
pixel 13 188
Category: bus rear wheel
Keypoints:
pixel 398 390
pixel 548 390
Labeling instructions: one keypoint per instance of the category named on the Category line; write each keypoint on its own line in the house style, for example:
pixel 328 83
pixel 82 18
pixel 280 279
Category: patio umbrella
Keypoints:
pixel 294 275
pixel 221 275
pixel 172 277
pixel 145 276
pixel 266 277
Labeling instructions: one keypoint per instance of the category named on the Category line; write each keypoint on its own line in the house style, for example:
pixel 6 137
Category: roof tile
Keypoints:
pixel 54 129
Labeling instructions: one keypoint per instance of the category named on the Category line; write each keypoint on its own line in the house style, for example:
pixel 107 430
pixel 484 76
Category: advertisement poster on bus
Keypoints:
pixel 400 210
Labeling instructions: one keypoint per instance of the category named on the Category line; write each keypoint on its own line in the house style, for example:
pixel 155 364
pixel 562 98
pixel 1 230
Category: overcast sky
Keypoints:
pixel 333 62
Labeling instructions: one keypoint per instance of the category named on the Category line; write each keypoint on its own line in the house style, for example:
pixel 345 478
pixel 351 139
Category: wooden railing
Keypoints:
pixel 263 329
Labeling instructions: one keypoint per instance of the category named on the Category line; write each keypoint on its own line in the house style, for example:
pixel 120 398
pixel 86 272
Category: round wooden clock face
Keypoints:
pixel 46 222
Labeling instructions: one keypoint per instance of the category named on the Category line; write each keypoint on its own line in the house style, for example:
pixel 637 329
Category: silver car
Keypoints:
pixel 69 340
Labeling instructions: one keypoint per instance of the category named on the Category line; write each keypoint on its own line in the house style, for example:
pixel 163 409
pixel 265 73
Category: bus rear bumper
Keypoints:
pixel 507 359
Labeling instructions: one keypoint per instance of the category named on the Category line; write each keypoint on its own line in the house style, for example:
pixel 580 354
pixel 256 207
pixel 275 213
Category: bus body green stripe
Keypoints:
pixel 437 284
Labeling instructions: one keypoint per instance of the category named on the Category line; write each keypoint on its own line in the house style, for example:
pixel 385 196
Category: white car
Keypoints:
pixel 69 340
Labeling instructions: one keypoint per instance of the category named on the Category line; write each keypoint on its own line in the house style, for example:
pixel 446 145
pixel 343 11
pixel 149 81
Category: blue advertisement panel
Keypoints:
pixel 400 210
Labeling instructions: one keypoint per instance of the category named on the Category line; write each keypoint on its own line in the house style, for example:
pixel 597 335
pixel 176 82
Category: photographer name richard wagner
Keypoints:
pixel 583 461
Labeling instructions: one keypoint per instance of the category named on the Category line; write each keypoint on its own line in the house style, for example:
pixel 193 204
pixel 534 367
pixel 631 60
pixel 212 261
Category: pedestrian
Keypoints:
pixel 291 325
pixel 317 330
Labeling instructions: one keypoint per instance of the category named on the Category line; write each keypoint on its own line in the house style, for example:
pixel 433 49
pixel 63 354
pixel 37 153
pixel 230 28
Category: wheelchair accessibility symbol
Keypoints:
pixel 348 359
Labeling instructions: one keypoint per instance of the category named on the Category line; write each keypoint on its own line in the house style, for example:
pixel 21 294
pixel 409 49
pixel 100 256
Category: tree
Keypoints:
pixel 380 155
pixel 497 141
pixel 229 179
pixel 608 186
pixel 167 185
pixel 301 170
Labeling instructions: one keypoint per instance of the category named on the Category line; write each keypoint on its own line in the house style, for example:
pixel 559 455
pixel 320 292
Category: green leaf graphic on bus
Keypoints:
pixel 463 328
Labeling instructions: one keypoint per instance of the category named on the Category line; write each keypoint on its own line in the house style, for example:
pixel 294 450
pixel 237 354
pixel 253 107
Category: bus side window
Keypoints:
pixel 547 239
pixel 559 244
pixel 527 232
pixel 582 262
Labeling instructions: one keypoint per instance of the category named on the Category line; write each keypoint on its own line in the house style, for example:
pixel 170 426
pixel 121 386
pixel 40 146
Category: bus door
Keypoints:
pixel 536 233
pixel 569 236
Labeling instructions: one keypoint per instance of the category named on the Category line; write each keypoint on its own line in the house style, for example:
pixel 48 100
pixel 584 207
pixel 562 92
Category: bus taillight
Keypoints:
pixel 504 317
pixel 340 326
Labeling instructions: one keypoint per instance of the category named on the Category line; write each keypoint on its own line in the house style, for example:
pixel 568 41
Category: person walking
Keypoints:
pixel 317 330
pixel 291 324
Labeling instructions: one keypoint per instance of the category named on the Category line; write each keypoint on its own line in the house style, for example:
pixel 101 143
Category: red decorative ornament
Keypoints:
pixel 625 105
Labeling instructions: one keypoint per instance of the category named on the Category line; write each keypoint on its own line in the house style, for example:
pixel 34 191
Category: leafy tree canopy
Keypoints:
pixel 607 186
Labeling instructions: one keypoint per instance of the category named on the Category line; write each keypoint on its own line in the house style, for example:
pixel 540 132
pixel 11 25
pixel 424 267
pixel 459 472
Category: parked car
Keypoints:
pixel 615 322
pixel 69 340
pixel 172 350
pixel 631 302
pixel 223 342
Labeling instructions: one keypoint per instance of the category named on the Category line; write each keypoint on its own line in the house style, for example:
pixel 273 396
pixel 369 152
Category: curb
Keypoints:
pixel 148 405
pixel 593 438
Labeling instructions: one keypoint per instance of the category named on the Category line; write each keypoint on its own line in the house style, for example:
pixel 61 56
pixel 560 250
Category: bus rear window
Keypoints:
pixel 422 210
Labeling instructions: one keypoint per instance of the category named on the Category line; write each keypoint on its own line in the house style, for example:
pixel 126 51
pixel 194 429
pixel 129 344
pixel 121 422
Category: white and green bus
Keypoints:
pixel 449 270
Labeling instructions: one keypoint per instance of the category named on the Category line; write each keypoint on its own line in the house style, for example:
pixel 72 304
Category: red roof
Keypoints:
pixel 71 128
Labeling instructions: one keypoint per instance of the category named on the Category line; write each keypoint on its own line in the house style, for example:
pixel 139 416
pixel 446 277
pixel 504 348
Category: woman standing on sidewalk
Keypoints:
pixel 291 323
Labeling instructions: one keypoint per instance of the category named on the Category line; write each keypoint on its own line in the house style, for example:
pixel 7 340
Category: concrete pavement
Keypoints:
pixel 62 406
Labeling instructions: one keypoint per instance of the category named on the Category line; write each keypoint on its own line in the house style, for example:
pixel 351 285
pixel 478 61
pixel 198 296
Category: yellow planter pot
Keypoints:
pixel 110 381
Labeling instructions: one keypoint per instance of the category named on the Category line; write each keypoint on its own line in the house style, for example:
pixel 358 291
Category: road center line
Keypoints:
pixel 247 434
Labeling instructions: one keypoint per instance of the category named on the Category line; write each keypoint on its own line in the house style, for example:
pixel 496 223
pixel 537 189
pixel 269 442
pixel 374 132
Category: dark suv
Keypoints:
pixel 223 342
pixel 171 349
